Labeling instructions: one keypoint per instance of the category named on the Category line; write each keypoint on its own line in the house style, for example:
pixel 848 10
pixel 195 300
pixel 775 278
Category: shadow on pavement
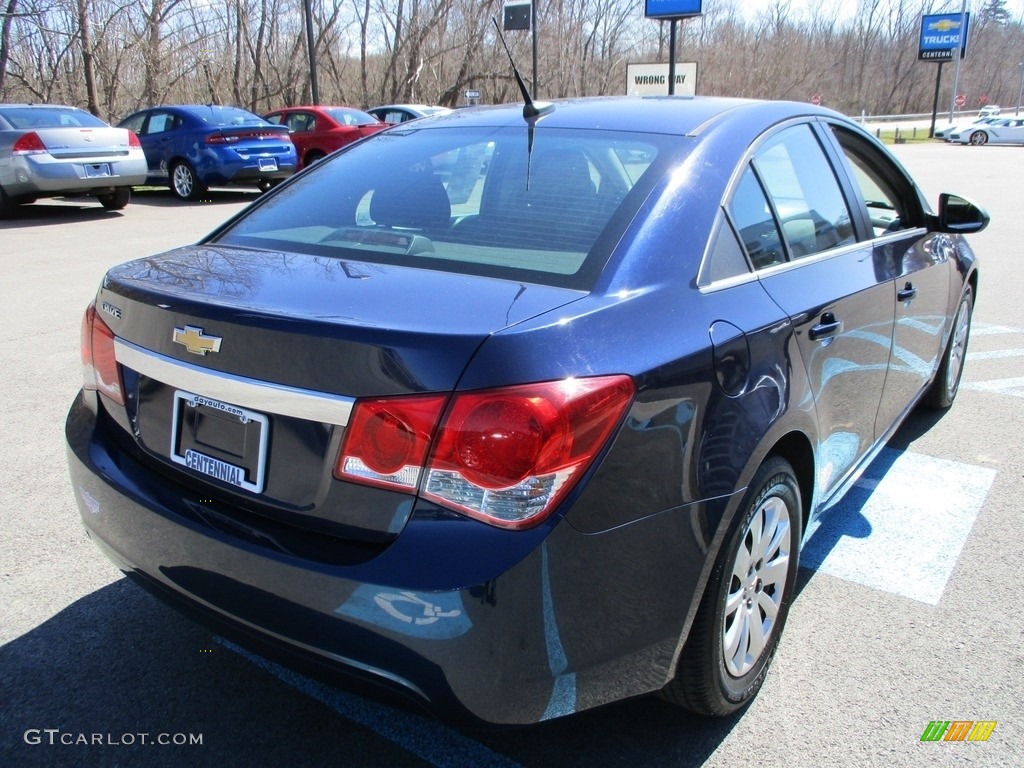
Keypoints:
pixel 119 664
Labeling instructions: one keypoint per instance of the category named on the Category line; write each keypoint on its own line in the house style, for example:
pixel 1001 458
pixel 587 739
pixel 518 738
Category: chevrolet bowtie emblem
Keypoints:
pixel 195 341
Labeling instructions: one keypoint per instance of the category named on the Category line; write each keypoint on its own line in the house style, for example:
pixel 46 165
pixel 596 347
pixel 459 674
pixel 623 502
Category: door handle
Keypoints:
pixel 908 293
pixel 827 328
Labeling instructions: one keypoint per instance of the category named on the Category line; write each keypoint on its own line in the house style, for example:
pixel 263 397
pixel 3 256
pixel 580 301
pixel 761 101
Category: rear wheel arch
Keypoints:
pixel 796 448
pixel 742 611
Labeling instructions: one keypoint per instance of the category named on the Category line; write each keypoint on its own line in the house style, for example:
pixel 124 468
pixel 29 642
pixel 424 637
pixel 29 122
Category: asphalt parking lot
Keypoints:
pixel 909 609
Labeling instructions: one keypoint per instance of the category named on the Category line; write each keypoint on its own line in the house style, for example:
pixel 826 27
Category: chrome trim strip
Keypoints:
pixel 258 395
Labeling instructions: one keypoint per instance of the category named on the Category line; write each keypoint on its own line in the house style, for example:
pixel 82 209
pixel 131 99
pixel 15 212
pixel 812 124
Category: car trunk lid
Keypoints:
pixel 241 367
pixel 72 143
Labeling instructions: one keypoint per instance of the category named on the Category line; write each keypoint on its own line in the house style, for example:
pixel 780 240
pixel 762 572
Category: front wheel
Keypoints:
pixel 978 138
pixel 116 200
pixel 744 608
pixel 943 390
pixel 184 182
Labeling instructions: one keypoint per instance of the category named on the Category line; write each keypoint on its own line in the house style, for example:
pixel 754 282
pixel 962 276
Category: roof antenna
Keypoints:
pixel 531 108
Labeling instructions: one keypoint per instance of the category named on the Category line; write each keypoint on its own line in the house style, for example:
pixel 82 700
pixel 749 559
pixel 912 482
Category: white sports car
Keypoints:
pixel 1009 130
pixel 947 131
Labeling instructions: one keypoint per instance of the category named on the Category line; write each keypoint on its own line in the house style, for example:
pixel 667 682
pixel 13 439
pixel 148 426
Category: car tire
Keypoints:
pixel 978 138
pixel 944 388
pixel 116 200
pixel 314 156
pixel 7 206
pixel 745 604
pixel 184 182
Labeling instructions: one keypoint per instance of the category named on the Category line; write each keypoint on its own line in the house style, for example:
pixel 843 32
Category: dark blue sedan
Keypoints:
pixel 513 415
pixel 193 148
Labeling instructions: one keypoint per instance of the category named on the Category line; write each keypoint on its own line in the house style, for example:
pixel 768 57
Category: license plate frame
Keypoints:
pixel 252 477
pixel 97 171
pixel 267 163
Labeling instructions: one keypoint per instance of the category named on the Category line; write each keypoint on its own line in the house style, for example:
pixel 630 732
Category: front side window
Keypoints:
pixel 885 192
pixel 479 201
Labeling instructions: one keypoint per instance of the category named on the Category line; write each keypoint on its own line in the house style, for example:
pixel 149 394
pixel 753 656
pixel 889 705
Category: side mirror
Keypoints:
pixel 959 216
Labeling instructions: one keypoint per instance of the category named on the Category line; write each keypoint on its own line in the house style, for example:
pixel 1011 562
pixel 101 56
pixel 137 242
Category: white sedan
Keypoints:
pixel 1008 130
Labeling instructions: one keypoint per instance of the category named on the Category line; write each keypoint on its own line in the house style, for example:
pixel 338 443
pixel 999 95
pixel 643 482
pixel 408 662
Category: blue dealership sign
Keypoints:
pixel 672 9
pixel 941 35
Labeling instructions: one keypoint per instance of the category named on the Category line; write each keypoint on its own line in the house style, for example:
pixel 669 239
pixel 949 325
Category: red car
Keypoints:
pixel 318 131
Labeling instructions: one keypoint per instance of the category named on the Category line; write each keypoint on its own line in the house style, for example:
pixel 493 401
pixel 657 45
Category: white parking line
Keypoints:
pixel 995 354
pixel 1013 386
pixel 428 740
pixel 901 528
pixel 985 329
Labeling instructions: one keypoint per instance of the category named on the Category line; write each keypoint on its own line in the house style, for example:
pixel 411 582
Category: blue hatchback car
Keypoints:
pixel 514 414
pixel 192 148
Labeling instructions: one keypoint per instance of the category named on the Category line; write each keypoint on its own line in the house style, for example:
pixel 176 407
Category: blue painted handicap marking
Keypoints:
pixel 430 615
pixel 900 529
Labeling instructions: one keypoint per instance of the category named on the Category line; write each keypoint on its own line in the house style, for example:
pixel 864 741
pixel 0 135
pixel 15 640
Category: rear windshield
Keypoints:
pixel 477 201
pixel 350 116
pixel 214 115
pixel 49 117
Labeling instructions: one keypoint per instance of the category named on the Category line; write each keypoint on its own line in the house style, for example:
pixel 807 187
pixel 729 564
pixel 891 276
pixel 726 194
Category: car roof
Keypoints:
pixel 679 115
pixel 10 105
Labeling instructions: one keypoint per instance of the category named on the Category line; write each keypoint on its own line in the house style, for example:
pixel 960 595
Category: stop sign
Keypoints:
pixel 960 99
pixel 815 99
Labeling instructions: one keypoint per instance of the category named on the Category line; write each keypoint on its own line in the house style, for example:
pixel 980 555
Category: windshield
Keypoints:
pixel 467 200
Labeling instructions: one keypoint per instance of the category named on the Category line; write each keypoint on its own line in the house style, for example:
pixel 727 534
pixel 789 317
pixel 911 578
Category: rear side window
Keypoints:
pixel 479 201
pixel 161 122
pixel 812 213
pixel 755 222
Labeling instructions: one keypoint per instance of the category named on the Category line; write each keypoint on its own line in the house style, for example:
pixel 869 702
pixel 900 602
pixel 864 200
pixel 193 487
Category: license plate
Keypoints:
pixel 219 440
pixel 97 170
pixel 268 163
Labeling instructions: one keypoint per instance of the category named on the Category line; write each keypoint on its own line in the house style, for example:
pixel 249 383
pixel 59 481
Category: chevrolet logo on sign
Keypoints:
pixel 195 341
pixel 945 25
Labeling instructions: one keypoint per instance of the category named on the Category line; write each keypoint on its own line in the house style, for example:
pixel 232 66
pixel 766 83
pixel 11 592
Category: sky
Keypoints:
pixel 753 7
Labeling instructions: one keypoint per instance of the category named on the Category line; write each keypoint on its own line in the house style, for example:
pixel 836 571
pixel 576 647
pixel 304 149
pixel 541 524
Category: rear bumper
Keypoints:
pixel 44 175
pixel 474 624
pixel 223 167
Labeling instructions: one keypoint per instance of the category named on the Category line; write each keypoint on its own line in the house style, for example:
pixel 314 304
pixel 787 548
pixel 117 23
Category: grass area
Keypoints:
pixel 914 136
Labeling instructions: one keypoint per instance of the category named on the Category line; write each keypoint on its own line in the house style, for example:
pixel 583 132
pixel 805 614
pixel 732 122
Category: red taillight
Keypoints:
pixel 220 138
pixel 505 456
pixel 133 140
pixel 99 364
pixel 387 440
pixel 29 144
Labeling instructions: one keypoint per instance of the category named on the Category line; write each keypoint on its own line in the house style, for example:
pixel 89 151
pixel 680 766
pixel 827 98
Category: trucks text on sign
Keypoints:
pixel 941 35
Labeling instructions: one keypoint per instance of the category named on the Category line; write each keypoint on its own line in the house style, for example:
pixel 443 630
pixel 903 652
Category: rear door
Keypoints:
pixel 795 222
